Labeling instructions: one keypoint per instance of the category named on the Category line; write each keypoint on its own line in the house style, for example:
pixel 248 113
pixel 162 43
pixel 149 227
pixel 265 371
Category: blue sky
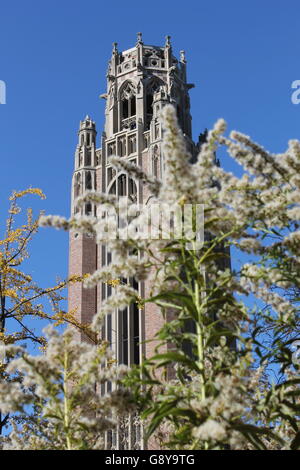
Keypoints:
pixel 242 57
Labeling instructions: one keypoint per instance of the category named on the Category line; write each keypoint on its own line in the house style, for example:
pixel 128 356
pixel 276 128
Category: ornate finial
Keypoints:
pixel 87 118
pixel 182 56
pixel 139 38
pixel 115 47
pixel 168 41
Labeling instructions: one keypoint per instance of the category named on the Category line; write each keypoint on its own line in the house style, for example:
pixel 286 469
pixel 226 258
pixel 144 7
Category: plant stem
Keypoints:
pixel 66 403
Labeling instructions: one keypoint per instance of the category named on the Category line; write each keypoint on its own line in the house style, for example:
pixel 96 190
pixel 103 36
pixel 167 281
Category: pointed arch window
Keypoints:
pixel 111 149
pixel 132 106
pixel 129 331
pixel 132 144
pixel 77 186
pixel 122 185
pixel 88 158
pixel 153 86
pixel 88 180
pixel 156 132
pixel 125 109
pixel 132 189
pixel 128 101
pixel 156 161
pixel 79 159
pixel 146 141
pixel 122 146
pixel 88 209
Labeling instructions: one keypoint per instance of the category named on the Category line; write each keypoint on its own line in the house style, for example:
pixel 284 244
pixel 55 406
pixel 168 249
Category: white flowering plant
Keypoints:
pixel 57 404
pixel 208 385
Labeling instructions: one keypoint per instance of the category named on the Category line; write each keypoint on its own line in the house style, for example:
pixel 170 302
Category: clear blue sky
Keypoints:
pixel 242 57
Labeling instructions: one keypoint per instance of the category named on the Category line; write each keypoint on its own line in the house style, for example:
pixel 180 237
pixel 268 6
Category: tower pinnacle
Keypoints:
pixel 139 38
pixel 168 41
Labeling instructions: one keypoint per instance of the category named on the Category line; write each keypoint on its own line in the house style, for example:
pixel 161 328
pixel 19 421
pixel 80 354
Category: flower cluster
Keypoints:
pixel 62 387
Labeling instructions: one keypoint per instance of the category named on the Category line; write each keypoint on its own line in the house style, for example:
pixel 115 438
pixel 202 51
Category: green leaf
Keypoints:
pixel 177 298
pixel 172 356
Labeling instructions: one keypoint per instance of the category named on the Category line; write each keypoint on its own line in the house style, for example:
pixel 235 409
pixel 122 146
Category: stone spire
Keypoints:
pixel 139 38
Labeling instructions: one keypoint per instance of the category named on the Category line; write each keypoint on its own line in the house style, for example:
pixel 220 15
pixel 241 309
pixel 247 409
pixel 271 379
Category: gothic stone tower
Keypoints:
pixel 140 81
